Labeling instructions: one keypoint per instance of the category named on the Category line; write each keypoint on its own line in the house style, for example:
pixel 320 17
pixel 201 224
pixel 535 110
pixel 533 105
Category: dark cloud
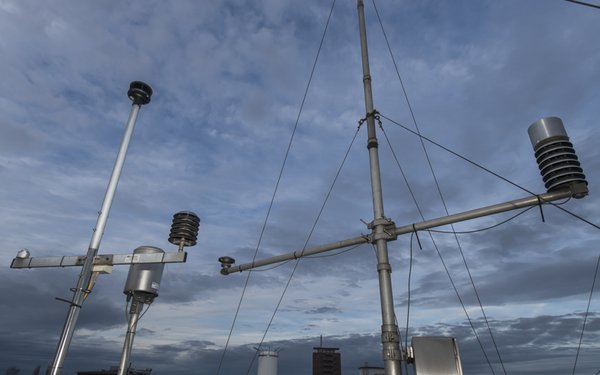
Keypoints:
pixel 517 341
pixel 228 80
pixel 322 310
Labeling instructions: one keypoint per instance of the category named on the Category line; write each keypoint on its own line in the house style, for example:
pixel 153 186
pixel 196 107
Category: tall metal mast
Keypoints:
pixel 390 338
pixel 140 94
pixel 561 172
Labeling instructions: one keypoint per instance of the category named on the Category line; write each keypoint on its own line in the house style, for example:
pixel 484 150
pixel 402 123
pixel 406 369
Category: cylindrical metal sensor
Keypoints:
pixel 143 280
pixel 555 155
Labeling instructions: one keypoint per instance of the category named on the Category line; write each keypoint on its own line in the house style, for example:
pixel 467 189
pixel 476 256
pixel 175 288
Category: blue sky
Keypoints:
pixel 228 80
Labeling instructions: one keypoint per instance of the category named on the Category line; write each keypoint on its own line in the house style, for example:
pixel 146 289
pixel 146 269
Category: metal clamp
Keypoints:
pixel 389 333
pixel 388 233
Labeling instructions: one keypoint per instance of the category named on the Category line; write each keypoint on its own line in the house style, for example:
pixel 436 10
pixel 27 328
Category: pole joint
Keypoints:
pixel 389 333
pixel 372 143
pixel 382 229
pixel 384 267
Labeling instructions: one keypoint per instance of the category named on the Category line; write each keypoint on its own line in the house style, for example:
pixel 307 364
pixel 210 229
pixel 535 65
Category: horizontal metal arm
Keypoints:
pixel 427 224
pixel 297 254
pixel 485 211
pixel 102 259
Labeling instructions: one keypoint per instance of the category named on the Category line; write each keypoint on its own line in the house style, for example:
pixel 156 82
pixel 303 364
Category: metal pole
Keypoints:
pixel 134 316
pixel 390 338
pixel 140 94
pixel 296 254
pixel 533 200
pixel 423 225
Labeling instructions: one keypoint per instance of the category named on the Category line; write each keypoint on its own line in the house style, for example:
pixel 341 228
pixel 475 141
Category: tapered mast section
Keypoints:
pixel 390 337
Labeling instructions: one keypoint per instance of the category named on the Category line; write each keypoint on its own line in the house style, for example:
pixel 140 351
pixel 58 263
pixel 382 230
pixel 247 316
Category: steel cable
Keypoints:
pixel 287 152
pixel 441 195
pixel 303 248
pixel 557 205
pixel 586 315
pixel 442 260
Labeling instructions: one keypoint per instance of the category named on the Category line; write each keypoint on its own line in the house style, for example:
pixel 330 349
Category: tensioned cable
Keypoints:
pixel 287 152
pixel 422 137
pixel 586 315
pixel 439 255
pixel 456 154
pixel 576 216
pixel 333 255
pixel 584 4
pixel 482 229
pixel 271 268
pixel 436 248
pixel 557 205
pixel 439 188
pixel 304 247
pixel 491 226
pixel 464 309
pixel 309 257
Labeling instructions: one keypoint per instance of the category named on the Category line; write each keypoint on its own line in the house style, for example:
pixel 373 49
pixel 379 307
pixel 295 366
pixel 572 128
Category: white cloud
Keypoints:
pixel 228 79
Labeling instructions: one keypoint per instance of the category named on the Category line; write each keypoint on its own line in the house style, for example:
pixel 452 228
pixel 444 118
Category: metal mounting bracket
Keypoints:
pixel 388 233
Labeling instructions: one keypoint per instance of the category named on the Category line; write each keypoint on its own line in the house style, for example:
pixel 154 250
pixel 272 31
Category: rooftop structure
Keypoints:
pixel 327 361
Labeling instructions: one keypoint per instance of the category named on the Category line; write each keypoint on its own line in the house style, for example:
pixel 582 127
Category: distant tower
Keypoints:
pixel 326 361
pixel 267 362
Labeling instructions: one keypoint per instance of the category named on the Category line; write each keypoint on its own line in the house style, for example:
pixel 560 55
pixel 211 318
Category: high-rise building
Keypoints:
pixel 327 361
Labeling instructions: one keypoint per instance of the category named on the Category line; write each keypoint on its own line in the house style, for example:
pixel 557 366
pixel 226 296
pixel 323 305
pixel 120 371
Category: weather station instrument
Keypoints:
pixel 562 175
pixel 146 262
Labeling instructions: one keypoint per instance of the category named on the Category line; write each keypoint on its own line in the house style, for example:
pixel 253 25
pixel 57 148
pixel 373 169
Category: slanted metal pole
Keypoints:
pixel 140 94
pixel 134 316
pixel 390 337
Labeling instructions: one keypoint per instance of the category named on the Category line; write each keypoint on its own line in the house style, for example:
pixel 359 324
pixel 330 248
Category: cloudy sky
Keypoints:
pixel 229 79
